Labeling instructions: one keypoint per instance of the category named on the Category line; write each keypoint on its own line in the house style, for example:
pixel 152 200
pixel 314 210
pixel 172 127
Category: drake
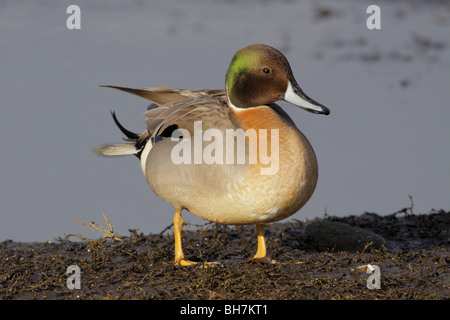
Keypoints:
pixel 228 192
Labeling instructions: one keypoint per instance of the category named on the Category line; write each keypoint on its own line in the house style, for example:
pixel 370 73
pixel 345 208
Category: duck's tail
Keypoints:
pixel 117 149
pixel 134 143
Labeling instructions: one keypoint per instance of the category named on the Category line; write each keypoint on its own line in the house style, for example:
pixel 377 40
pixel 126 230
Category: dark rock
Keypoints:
pixel 341 236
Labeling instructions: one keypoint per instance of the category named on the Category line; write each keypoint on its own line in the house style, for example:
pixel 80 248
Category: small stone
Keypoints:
pixel 340 236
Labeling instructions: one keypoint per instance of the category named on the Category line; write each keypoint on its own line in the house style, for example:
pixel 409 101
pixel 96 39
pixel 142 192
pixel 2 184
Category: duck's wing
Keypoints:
pixel 167 97
pixel 180 108
pixel 175 109
pixel 211 112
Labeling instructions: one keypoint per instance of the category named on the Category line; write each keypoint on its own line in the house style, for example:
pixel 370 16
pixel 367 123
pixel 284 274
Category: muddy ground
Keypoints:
pixel 414 264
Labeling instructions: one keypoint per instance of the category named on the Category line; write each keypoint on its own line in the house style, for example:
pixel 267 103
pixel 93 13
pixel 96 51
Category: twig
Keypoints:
pixel 165 229
pixel 406 209
pixel 108 231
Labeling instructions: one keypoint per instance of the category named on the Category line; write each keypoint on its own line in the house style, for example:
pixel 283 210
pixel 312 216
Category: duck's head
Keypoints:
pixel 259 75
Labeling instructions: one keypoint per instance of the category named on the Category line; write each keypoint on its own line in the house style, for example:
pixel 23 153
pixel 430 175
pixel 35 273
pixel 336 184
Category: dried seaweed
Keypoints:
pixel 414 264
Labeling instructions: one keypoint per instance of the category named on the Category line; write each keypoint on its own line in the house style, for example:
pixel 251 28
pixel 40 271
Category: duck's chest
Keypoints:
pixel 285 174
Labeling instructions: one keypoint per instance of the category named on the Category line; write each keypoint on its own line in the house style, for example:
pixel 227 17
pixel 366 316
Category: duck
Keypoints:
pixel 233 156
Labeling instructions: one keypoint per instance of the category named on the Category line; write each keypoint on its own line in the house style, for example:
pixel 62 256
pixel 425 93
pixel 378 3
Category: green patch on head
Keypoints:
pixel 242 62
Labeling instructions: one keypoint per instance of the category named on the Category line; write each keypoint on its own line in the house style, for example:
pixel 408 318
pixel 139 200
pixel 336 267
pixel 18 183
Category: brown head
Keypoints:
pixel 259 75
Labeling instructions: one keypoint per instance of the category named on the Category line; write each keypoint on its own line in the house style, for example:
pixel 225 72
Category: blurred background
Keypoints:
pixel 387 137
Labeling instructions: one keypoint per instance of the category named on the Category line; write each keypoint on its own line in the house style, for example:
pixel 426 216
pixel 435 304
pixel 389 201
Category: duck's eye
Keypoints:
pixel 266 70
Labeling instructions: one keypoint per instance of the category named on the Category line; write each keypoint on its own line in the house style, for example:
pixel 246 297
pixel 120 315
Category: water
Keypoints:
pixel 387 136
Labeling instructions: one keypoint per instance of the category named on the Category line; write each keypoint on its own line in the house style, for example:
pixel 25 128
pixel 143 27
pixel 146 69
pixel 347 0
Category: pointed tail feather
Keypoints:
pixel 118 149
pixel 134 143
pixel 130 135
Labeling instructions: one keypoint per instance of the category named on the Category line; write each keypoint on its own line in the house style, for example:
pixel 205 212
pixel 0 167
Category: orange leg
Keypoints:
pixel 179 255
pixel 261 253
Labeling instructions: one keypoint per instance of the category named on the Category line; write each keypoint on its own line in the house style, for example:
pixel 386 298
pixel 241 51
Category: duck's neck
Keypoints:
pixel 291 146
